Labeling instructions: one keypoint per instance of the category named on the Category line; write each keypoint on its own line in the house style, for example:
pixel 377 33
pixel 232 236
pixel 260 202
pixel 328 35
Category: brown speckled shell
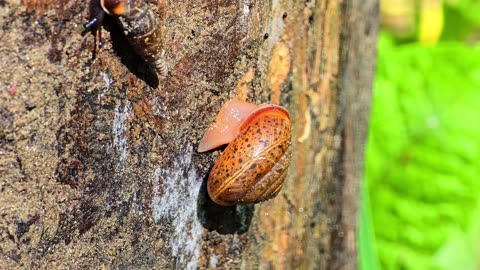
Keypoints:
pixel 253 167
pixel 141 26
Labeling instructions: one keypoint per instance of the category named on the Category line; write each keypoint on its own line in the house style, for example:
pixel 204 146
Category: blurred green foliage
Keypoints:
pixel 462 19
pixel 421 198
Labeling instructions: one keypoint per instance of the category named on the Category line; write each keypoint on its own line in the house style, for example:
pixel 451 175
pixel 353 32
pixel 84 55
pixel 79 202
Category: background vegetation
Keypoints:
pixel 421 206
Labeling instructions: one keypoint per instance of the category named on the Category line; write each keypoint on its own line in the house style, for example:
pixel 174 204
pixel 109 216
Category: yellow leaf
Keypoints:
pixel 431 21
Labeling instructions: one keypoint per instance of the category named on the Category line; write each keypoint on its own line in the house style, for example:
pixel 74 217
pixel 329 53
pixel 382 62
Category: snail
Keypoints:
pixel 253 166
pixel 140 24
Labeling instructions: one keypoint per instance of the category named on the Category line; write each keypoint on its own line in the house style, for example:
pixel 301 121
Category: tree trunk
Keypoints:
pixel 98 160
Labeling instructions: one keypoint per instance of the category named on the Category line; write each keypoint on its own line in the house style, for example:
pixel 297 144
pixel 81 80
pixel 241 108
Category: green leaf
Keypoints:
pixel 422 156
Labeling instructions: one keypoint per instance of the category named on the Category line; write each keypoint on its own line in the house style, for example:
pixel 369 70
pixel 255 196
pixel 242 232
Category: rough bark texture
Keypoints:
pixel 98 161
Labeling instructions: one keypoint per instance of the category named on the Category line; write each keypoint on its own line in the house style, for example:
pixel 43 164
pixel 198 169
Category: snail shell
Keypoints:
pixel 141 26
pixel 253 167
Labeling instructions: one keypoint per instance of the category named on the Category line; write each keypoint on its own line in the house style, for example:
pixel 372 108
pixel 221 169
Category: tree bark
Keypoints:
pixel 98 160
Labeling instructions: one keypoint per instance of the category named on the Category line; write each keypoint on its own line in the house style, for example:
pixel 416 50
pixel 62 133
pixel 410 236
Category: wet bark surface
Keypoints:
pixel 98 160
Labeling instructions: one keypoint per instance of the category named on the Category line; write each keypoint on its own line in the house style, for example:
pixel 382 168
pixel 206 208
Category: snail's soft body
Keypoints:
pixel 254 165
pixel 140 24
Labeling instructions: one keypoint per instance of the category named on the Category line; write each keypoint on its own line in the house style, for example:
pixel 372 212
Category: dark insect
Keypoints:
pixel 139 23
